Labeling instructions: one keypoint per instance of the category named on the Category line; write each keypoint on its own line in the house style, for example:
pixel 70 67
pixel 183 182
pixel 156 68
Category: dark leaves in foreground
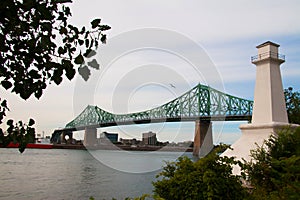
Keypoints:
pixel 39 46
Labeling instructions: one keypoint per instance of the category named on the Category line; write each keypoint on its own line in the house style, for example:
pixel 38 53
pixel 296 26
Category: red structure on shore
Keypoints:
pixel 31 146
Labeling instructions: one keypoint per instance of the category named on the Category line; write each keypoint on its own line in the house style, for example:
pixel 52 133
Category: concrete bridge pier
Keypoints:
pixel 203 142
pixel 90 137
pixel 63 136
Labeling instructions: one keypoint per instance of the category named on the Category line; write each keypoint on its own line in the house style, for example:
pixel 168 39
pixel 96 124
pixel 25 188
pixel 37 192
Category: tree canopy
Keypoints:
pixel 39 46
pixel 292 100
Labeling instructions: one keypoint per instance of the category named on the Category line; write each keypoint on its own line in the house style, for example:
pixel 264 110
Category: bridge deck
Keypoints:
pixel 160 120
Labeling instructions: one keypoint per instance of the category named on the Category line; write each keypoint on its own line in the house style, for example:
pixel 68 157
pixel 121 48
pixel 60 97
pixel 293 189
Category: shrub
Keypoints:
pixel 208 178
pixel 275 171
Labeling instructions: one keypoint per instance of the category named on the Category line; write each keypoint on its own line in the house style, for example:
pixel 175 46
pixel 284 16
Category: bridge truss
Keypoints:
pixel 201 102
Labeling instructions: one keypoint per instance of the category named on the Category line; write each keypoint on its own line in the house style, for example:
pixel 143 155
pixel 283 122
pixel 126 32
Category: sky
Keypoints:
pixel 153 44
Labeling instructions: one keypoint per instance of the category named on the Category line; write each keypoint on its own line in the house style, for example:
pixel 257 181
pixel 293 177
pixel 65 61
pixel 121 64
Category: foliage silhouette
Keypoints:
pixel 38 46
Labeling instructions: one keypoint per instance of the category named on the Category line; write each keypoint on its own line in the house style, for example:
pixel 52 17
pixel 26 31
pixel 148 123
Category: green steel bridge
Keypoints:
pixel 200 103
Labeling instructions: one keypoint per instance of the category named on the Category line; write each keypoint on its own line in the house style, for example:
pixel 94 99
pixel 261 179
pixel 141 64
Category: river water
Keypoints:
pixel 79 174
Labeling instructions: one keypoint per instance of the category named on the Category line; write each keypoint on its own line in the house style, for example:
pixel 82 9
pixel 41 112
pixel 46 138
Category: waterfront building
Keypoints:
pixel 149 138
pixel 130 141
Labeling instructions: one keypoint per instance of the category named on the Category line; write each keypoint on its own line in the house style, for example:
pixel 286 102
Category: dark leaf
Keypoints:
pixel 57 80
pixel 38 93
pixel 70 73
pixel 6 84
pixel 94 64
pixel 80 42
pixel 63 30
pixel 68 66
pixel 72 49
pixel 67 10
pixel 21 124
pixel 10 122
pixel 63 1
pixel 24 91
pixel 86 34
pixel 95 23
pixel 22 147
pixel 89 53
pixel 79 59
pixel 57 76
pixel 10 129
pixel 87 43
pixel 34 74
pixel 91 44
pixel 104 28
pixel 4 104
pixel 82 30
pixel 61 51
pixel 103 39
pixel 31 122
pixel 84 72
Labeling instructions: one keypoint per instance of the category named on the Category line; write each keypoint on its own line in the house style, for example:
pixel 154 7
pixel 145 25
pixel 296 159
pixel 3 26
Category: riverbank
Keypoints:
pixel 124 147
pixel 103 147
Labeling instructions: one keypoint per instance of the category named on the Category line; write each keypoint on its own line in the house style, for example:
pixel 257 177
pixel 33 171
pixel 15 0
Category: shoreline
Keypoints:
pixel 123 148
pixel 102 147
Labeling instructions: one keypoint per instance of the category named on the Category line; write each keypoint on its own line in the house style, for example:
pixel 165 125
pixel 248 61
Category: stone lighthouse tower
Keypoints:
pixel 269 109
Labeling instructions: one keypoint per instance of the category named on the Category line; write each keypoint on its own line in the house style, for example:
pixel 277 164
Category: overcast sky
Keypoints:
pixel 153 44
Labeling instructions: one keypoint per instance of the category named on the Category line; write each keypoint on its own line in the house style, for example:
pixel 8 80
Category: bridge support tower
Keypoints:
pixel 63 136
pixel 269 111
pixel 203 142
pixel 90 137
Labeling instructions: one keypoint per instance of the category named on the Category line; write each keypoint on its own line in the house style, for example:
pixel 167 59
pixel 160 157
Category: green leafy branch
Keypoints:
pixel 39 46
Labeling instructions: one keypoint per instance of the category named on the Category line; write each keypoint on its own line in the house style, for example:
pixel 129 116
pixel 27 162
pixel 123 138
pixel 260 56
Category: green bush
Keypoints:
pixel 275 171
pixel 208 178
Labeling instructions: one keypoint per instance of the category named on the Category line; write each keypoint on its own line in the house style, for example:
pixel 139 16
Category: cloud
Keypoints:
pixel 202 20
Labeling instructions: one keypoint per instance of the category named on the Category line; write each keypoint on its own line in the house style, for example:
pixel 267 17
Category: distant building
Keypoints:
pixel 112 137
pixel 185 144
pixel 149 138
pixel 129 141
